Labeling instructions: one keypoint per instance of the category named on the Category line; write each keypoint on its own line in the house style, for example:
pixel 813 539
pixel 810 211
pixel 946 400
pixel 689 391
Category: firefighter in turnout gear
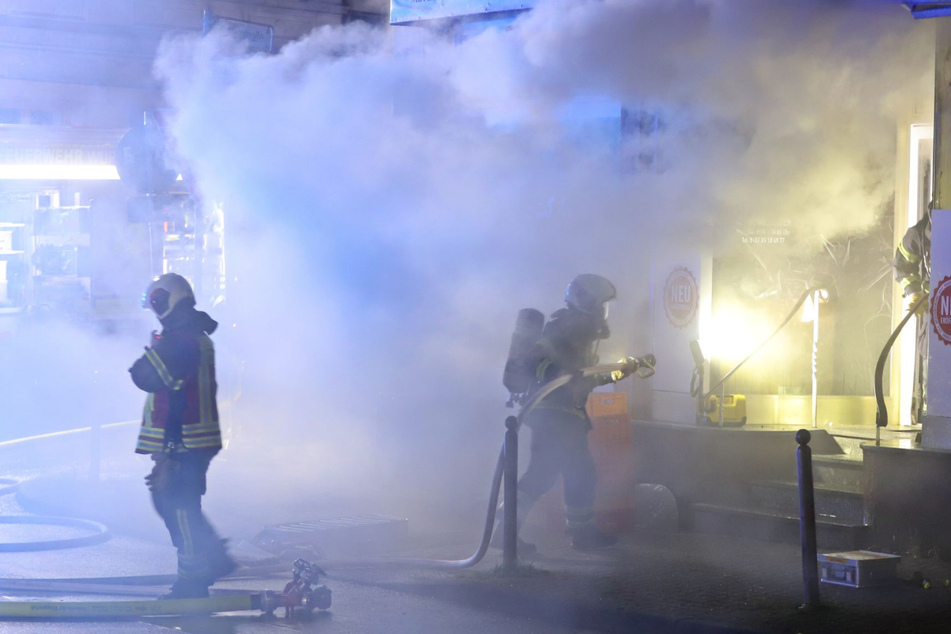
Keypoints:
pixel 180 430
pixel 912 266
pixel 559 422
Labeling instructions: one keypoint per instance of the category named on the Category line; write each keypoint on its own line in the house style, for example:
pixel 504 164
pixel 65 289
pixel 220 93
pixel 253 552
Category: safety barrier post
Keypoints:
pixel 510 501
pixel 807 521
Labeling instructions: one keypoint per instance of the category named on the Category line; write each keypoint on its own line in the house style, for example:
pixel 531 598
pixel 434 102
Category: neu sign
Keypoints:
pixel 941 310
pixel 681 297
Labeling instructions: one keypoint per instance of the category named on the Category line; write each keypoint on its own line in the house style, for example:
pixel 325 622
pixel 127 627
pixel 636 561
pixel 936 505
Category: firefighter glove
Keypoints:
pixel 628 368
pixel 159 480
pixel 915 298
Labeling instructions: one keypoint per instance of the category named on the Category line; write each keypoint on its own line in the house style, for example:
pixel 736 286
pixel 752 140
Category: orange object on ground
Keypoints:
pixel 610 442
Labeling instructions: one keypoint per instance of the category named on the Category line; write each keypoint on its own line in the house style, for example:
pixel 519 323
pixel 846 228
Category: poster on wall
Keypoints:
pixel 681 297
pixel 406 11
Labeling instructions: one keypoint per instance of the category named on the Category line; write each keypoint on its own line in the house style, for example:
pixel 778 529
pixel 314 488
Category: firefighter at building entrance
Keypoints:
pixel 559 422
pixel 180 430
pixel 912 266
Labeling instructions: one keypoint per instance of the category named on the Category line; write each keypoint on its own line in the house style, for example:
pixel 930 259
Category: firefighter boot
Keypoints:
pixel 186 589
pixel 589 537
pixel 220 564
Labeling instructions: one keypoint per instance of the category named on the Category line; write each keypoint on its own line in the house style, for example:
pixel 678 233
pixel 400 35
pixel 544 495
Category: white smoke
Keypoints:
pixel 394 197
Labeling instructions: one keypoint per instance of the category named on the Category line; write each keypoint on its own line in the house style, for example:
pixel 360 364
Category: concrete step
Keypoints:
pixel 838 504
pixel 776 527
pixel 851 445
pixel 838 471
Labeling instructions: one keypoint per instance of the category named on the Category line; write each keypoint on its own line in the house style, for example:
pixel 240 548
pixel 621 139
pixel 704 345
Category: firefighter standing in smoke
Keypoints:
pixel 180 430
pixel 912 266
pixel 559 422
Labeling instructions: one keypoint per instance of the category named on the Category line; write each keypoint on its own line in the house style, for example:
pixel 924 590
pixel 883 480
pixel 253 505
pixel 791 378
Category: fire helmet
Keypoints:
pixel 166 292
pixel 588 293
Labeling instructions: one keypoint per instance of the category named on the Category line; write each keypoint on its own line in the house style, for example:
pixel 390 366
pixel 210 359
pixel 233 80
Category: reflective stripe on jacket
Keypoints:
pixel 181 407
pixel 912 261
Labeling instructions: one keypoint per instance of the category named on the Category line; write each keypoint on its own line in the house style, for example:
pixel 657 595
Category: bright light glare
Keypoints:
pixel 808 313
pixel 59 172
pixel 733 333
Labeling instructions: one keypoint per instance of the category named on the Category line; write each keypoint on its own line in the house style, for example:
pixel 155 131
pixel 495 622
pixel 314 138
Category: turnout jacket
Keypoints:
pixel 178 372
pixel 565 347
pixel 912 263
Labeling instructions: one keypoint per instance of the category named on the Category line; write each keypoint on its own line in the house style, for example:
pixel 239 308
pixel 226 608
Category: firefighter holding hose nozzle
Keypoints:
pixel 559 422
pixel 180 430
pixel 912 266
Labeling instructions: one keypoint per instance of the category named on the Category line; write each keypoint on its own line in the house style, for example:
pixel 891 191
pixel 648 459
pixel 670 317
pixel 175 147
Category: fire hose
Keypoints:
pixel 881 412
pixel 126 609
pixel 97 533
pixel 645 363
pixel 299 595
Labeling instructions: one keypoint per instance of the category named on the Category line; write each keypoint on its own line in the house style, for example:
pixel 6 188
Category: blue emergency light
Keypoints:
pixel 922 10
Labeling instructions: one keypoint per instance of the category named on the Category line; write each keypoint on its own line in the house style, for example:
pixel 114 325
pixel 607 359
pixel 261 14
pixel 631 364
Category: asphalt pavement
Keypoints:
pixel 663 582
pixel 650 582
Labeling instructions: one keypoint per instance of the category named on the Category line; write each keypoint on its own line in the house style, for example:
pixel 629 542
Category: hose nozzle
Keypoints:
pixel 645 366
pixel 641 366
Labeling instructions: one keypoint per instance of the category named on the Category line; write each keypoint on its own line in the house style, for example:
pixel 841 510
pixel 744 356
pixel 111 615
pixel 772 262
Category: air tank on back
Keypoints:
pixel 517 376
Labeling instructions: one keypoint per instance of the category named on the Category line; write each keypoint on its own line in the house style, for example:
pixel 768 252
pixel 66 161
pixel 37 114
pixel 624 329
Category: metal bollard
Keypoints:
pixel 510 501
pixel 807 521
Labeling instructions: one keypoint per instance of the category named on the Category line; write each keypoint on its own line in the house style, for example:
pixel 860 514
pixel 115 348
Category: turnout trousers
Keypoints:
pixel 559 447
pixel 177 483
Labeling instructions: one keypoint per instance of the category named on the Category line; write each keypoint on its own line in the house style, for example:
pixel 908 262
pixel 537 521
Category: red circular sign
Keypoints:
pixel 681 297
pixel 941 310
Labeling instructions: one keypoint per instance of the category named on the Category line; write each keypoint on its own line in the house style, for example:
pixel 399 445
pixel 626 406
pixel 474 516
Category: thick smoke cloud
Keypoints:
pixel 394 197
